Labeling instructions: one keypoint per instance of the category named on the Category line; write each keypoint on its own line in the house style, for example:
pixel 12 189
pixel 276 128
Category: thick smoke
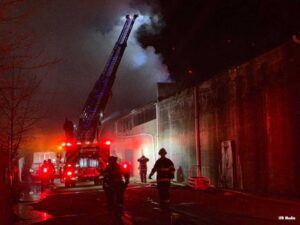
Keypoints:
pixel 82 35
pixel 139 71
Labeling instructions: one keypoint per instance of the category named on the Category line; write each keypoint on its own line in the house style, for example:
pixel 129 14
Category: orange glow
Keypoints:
pixel 63 144
pixel 59 147
pixel 44 142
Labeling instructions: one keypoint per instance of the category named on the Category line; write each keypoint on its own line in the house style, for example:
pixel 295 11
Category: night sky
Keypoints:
pixel 171 41
pixel 209 36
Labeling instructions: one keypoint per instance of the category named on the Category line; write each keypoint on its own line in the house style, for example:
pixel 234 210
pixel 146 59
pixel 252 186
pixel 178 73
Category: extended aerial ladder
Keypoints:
pixel 96 102
pixel 83 152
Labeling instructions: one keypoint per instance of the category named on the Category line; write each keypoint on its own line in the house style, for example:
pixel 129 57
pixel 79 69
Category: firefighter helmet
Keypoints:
pixel 162 151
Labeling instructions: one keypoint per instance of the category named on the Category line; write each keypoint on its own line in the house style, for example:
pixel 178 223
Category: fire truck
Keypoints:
pixel 84 148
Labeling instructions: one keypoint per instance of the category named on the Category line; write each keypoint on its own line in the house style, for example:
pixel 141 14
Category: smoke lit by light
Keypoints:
pixel 139 59
pixel 84 43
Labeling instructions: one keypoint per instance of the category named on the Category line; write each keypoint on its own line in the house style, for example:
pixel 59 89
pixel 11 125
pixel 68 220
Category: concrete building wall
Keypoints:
pixel 249 122
pixel 131 146
pixel 132 141
pixel 176 131
pixel 256 106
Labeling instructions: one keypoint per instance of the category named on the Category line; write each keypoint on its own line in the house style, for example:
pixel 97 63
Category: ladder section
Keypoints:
pixel 96 102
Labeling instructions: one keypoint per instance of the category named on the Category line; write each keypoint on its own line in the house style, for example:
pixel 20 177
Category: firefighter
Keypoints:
pixel 44 173
pixel 51 170
pixel 165 172
pixel 115 181
pixel 143 168
pixel 43 168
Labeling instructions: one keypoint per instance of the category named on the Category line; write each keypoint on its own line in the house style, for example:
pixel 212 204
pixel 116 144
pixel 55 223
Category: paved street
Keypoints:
pixel 85 204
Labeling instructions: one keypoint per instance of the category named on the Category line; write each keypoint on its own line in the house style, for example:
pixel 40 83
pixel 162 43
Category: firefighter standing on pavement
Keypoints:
pixel 43 170
pixel 114 185
pixel 45 174
pixel 143 168
pixel 165 172
pixel 51 170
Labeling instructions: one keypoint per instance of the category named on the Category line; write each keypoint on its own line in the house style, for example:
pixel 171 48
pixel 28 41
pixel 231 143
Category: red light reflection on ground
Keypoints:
pixel 42 216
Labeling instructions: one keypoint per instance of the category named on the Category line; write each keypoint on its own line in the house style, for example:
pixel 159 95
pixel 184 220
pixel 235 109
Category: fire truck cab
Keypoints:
pixel 89 161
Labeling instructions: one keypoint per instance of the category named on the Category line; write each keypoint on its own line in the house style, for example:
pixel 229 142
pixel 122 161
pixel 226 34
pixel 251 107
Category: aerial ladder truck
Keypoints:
pixel 86 150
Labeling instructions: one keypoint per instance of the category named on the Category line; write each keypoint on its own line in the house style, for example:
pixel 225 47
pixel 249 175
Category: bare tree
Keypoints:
pixel 10 43
pixel 19 112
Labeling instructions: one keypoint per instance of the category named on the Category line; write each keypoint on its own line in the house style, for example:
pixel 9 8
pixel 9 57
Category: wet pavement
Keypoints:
pixel 85 204
pixel 26 212
pixel 60 205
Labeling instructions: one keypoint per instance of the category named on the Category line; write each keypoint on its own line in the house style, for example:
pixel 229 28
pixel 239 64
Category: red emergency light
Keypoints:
pixel 45 170
pixel 125 167
pixel 107 142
